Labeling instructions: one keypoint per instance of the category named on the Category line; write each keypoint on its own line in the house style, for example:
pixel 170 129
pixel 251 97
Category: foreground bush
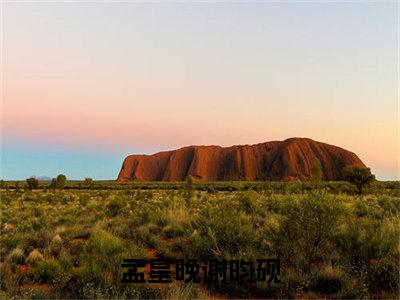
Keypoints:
pixel 70 243
pixel 306 229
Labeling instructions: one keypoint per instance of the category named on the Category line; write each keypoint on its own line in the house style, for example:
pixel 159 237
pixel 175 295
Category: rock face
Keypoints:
pixel 291 159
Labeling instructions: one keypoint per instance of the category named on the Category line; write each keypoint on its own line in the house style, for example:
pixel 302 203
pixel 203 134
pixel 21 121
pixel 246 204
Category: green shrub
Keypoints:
pixel 88 182
pixel 359 176
pixel 65 262
pixel 46 270
pixel 61 181
pixel 32 183
pixel 221 230
pixel 246 201
pixel 362 208
pixel 391 206
pixel 115 206
pixel 361 243
pixel 303 237
pixel 102 259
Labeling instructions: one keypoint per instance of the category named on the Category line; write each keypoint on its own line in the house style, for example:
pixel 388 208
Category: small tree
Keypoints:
pixel 88 182
pixel 61 181
pixel 359 176
pixel 32 183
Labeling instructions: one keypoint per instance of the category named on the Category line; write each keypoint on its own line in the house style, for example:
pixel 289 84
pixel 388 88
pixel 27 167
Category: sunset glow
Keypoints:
pixel 86 84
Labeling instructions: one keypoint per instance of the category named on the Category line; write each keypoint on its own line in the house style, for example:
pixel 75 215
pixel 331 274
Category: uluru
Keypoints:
pixel 291 159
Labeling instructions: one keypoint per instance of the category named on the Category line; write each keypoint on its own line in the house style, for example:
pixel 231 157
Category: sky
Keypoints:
pixel 86 83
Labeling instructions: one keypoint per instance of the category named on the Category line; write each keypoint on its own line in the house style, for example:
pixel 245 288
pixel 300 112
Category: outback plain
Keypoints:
pixel 68 240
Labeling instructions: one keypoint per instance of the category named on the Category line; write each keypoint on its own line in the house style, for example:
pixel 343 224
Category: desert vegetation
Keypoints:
pixel 69 240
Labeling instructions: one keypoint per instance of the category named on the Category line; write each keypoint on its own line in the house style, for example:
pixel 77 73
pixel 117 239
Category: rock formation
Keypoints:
pixel 291 159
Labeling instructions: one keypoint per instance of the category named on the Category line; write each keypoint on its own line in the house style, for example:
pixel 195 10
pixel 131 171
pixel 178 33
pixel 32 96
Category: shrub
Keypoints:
pixel 362 243
pixel 61 181
pixel 115 206
pixel 389 205
pixel 88 182
pixel 362 208
pixel 102 258
pixel 305 230
pixel 359 176
pixel 246 201
pixel 56 245
pixel 174 220
pixel 38 239
pixel 218 231
pixel 17 256
pixel 32 183
pixel 34 257
pixel 46 270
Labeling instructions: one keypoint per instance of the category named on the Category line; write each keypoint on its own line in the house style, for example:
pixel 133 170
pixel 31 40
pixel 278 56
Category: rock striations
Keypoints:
pixel 291 159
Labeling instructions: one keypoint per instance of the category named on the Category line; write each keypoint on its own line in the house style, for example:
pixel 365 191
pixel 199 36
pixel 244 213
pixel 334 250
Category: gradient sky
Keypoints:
pixel 85 84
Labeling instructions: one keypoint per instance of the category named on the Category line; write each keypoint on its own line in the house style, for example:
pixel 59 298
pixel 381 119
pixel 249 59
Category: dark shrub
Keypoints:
pixel 46 270
pixel 61 181
pixel 328 284
pixel 32 183
pixel 359 176
pixel 88 182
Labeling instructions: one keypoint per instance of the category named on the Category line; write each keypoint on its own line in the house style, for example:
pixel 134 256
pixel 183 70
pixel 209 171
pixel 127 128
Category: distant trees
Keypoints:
pixel 359 176
pixel 88 182
pixel 59 182
pixel 32 183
